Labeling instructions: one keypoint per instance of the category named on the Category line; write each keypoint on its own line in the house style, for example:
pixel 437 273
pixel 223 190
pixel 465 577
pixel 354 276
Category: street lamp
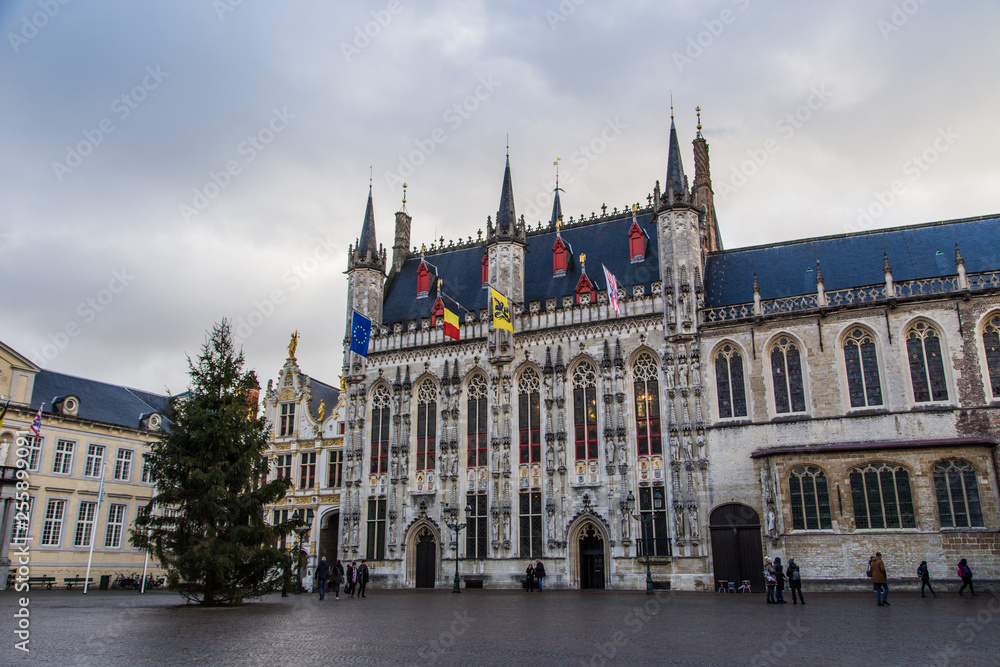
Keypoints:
pixel 644 519
pixel 457 527
pixel 301 529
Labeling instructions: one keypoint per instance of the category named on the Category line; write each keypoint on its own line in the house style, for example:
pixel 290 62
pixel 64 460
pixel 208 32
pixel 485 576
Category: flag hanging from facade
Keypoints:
pixel 450 324
pixel 612 291
pixel 501 311
pixel 361 332
pixel 36 424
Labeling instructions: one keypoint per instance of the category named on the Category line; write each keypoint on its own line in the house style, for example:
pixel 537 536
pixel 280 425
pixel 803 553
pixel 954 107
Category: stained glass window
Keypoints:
pixel 861 358
pixel 957 495
pixel 786 373
pixel 729 383
pixel 923 347
pixel 810 496
pixel 882 498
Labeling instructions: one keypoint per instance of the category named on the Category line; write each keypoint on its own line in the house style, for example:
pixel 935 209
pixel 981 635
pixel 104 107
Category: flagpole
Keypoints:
pixel 93 532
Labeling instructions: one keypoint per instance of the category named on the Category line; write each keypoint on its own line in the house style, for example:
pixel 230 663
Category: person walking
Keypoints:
pixel 352 577
pixel 770 581
pixel 779 575
pixel 362 576
pixel 539 574
pixel 925 579
pixel 880 579
pixel 337 578
pixel 966 574
pixel 529 578
pixel 795 580
pixel 322 574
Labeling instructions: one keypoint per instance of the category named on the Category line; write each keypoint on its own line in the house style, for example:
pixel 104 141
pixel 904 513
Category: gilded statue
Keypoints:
pixel 293 344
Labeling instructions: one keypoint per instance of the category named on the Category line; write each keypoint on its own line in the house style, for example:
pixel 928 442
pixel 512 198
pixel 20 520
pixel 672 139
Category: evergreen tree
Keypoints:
pixel 206 522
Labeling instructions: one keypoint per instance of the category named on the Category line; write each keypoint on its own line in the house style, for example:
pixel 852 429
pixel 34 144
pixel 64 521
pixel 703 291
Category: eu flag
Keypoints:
pixel 361 331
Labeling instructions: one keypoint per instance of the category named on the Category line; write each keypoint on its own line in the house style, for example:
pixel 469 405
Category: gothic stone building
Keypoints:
pixel 820 399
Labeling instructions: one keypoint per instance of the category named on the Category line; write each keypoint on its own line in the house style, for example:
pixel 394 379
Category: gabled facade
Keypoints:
pixel 744 402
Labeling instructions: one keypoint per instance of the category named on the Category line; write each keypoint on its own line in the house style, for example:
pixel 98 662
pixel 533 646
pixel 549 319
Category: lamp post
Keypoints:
pixel 457 527
pixel 301 529
pixel 644 519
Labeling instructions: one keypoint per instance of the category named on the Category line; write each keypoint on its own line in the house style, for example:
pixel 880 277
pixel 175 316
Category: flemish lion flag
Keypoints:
pixel 450 324
pixel 501 311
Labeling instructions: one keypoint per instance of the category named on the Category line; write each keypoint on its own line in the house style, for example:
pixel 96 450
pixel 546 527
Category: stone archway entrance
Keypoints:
pixel 426 559
pixel 329 527
pixel 736 548
pixel 592 564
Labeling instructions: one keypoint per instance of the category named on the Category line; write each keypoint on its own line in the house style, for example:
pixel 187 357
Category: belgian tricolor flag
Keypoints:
pixel 450 324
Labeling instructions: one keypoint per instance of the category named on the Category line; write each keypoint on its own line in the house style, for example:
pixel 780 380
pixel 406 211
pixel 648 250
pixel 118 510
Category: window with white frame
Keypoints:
pixel 123 465
pixel 62 463
pixel 22 521
pixel 335 477
pixel 116 524
pixel 84 523
pixel 95 461
pixel 286 424
pixel 52 529
pixel 34 446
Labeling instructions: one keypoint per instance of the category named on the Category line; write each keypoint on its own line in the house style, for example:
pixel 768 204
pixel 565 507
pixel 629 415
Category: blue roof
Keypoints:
pixel 604 242
pixel 852 260
pixel 99 401
pixel 321 391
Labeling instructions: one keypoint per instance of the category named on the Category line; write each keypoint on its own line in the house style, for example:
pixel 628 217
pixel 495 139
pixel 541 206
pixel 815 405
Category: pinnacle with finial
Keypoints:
pixel 886 267
pixel 819 273
pixel 959 260
pixel 756 285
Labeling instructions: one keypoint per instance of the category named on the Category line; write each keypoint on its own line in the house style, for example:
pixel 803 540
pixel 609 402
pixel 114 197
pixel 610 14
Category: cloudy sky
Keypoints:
pixel 167 164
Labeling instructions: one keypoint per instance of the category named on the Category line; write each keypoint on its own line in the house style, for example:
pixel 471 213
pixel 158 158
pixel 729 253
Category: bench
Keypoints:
pixel 69 581
pixel 48 581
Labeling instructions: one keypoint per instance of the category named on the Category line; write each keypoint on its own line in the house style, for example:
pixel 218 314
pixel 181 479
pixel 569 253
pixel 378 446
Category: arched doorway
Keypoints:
pixel 329 526
pixel 592 565
pixel 736 549
pixel 426 559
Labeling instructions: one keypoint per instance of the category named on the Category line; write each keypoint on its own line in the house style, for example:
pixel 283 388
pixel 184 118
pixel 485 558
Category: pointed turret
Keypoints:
pixel 704 196
pixel 556 207
pixel 507 227
pixel 367 254
pixel 676 180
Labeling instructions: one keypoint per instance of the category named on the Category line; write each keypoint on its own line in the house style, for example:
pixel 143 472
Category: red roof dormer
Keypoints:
pixel 560 257
pixel 486 268
pixel 584 286
pixel 437 310
pixel 636 243
pixel 423 280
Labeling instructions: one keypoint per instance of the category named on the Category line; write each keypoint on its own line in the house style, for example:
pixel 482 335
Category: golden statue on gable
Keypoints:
pixel 293 344
pixel 321 410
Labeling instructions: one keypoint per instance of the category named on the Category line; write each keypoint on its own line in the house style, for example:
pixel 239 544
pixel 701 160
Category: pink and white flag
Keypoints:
pixel 612 291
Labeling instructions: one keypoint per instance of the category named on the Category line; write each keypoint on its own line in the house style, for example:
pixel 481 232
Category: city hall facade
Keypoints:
pixel 821 399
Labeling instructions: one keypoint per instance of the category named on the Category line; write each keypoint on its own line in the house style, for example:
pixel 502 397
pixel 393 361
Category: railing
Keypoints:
pixel 854 295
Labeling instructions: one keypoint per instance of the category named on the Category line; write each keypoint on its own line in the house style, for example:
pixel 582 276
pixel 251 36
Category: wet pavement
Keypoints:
pixel 483 627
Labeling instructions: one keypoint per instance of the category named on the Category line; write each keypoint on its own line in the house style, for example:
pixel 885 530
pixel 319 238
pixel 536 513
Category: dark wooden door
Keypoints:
pixel 591 559
pixel 736 548
pixel 426 559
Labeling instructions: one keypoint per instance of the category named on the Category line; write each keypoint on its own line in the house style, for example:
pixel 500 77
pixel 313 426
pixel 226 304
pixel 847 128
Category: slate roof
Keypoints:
pixel 605 242
pixel 99 401
pixel 852 260
pixel 321 391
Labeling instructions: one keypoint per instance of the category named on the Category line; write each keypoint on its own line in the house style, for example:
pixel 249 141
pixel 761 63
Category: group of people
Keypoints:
pixel 880 579
pixel 534 575
pixel 775 575
pixel 354 578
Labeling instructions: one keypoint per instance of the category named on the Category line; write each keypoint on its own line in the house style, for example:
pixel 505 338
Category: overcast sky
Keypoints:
pixel 167 164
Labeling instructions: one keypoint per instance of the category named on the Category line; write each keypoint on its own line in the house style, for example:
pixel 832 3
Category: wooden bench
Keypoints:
pixel 48 581
pixel 69 581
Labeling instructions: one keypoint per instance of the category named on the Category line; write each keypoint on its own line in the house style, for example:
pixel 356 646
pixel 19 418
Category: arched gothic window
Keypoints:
pixel 810 498
pixel 991 344
pixel 882 497
pixel 585 411
pixel 957 495
pixel 729 383
pixel 477 424
pixel 923 348
pixel 786 373
pixel 380 429
pixel 861 359
pixel 529 417
pixel 647 406
pixel 426 425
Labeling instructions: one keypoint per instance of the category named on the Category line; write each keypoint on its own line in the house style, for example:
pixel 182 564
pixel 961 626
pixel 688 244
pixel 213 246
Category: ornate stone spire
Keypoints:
pixel 367 254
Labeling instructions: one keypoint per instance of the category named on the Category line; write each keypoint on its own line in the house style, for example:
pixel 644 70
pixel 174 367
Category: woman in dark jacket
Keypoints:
pixel 966 573
pixel 529 577
pixel 337 578
pixel 795 580
pixel 779 574
pixel 925 579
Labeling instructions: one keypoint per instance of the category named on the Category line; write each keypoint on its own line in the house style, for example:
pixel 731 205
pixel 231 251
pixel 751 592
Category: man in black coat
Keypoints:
pixel 362 578
pixel 322 574
pixel 539 574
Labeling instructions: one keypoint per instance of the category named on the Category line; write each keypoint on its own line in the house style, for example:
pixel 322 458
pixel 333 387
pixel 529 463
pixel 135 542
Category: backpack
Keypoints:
pixel 869 572
pixel 920 571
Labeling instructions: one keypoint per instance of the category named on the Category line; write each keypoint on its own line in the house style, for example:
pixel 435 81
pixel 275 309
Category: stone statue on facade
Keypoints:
pixel 693 521
pixel 506 461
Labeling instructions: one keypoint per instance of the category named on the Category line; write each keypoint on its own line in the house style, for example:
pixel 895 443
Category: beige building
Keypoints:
pixel 307 447
pixel 88 429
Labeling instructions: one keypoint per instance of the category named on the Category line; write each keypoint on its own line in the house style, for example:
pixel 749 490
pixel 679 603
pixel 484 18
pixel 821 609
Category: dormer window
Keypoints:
pixel 437 311
pixel 636 243
pixel 486 268
pixel 423 280
pixel 585 292
pixel 67 405
pixel 559 257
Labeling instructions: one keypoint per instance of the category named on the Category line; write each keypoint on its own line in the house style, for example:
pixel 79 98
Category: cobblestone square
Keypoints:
pixel 507 628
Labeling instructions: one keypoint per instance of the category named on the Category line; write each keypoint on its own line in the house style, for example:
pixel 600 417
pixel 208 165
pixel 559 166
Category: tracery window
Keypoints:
pixel 375 534
pixel 380 430
pixel 476 424
pixel 653 503
pixel 531 524
pixel 585 411
pixel 529 417
pixel 991 345
pixel 957 495
pixel 647 406
pixel 861 359
pixel 786 374
pixel 810 496
pixel 882 497
pixel 477 533
pixel 729 383
pixel 426 425
pixel 923 348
